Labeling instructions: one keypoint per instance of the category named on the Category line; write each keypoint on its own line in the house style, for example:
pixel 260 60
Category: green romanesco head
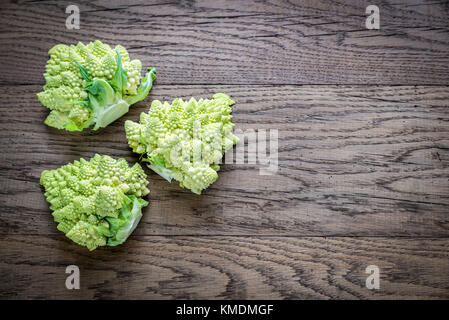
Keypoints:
pixel 185 140
pixel 91 84
pixel 96 202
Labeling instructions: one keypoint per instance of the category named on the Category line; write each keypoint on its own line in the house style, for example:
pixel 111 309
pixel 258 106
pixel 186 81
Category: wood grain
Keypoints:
pixel 241 42
pixel 363 122
pixel 33 267
pixel 353 161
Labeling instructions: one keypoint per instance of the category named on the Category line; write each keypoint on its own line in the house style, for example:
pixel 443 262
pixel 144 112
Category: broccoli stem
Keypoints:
pixel 162 171
pixel 108 114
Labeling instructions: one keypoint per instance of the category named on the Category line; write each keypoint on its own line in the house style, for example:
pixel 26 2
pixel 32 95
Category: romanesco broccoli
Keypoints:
pixel 96 202
pixel 185 140
pixel 91 85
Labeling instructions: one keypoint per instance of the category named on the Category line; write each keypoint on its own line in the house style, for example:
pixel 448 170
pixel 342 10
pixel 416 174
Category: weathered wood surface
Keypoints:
pixel 359 161
pixel 241 42
pixel 33 267
pixel 363 170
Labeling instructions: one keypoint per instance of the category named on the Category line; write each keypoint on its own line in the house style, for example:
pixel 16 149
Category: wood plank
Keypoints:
pixel 241 42
pixel 33 267
pixel 353 161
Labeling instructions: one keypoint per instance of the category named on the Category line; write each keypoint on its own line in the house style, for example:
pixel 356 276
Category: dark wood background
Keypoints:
pixel 363 120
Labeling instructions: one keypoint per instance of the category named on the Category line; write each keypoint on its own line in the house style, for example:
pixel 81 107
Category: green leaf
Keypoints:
pixel 157 164
pixel 106 99
pixel 154 159
pixel 84 73
pixel 128 219
pixel 141 139
pixel 120 78
pixel 83 103
pixel 103 231
pixel 72 126
pixel 159 161
pixel 106 104
pixel 101 91
pixel 145 86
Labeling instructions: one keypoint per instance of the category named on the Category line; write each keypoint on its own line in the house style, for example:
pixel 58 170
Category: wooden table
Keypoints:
pixel 363 179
